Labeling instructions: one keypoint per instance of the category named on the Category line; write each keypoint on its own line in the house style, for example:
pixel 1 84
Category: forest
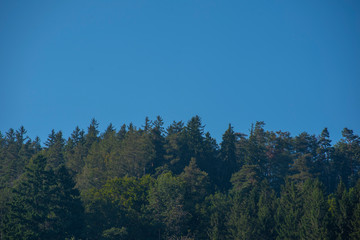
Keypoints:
pixel 176 182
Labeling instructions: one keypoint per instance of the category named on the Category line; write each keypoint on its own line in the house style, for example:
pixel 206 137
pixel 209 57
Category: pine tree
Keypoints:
pixel 75 151
pixel 323 160
pixel 242 218
pixel 44 205
pixel 313 223
pixel 211 153
pixel 214 213
pixel 347 158
pixel 227 157
pixel 256 149
pixel 55 149
pixel 10 158
pixel 196 189
pixel 92 134
pixel 194 132
pixel 121 133
pixel 133 155
pixel 355 219
pixel 289 212
pixel 267 206
pixel 158 142
pixel 245 179
pixel 344 206
pixel 279 156
pixel 176 147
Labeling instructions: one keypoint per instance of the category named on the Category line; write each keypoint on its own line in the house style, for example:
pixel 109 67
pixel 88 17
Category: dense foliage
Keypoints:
pixel 178 183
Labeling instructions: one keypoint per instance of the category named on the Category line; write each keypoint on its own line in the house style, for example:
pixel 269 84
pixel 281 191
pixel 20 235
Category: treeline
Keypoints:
pixel 179 183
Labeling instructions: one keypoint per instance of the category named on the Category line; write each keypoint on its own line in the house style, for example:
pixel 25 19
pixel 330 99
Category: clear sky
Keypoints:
pixel 293 64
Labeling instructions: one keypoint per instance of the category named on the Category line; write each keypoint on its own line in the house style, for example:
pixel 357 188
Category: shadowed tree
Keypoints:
pixel 323 160
pixel 76 151
pixel 55 149
pixel 158 141
pixel 44 205
pixel 347 158
pixel 176 147
pixel 228 157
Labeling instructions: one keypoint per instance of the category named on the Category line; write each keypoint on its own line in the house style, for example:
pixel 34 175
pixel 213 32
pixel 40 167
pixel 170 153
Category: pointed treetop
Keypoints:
pixel 147 125
pixel 349 136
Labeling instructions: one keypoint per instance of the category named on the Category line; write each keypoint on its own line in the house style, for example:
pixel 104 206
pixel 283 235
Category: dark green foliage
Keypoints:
pixel 256 149
pixel 67 209
pixel 176 147
pixel 197 187
pixel 158 141
pixel 228 156
pixel 93 174
pixel 289 212
pixel 76 151
pixel 167 206
pixel 55 150
pixel 343 208
pixel 313 223
pixel 355 218
pixel 302 211
pixel 92 133
pixel 214 214
pixel 279 155
pixel 117 210
pixel 44 205
pixel 213 165
pixel 16 149
pixel 195 139
pixel 134 155
pixel 323 160
pixel 347 158
pixel 178 183
pixel 251 213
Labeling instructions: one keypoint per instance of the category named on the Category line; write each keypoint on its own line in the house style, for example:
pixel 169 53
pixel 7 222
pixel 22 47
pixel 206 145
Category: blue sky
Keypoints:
pixel 293 64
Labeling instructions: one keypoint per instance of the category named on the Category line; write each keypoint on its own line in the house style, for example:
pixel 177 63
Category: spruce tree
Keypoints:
pixel 44 205
pixel 227 157
pixel 323 160
pixel 158 142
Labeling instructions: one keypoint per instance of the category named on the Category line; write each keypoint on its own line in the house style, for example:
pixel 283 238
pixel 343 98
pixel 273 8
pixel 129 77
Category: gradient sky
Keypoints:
pixel 293 64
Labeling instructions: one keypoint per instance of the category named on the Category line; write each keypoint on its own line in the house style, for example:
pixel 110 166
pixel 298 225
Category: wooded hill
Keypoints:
pixel 178 183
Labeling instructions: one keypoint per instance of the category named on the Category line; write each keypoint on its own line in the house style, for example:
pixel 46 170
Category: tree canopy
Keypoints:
pixel 177 182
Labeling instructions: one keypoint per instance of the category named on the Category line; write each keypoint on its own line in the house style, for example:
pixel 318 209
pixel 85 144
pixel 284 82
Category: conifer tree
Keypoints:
pixel 55 149
pixel 10 158
pixel 211 153
pixel 323 160
pixel 194 131
pixel 279 155
pixel 196 189
pixel 313 223
pixel 121 133
pixel 44 205
pixel 158 142
pixel 228 157
pixel 347 158
pixel 256 149
pixel 133 155
pixel 76 151
pixel 355 219
pixel 92 134
pixel 176 147
pixel 289 212
pixel 214 213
